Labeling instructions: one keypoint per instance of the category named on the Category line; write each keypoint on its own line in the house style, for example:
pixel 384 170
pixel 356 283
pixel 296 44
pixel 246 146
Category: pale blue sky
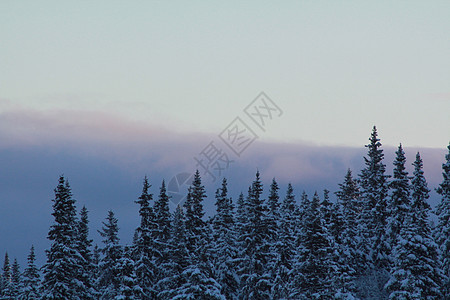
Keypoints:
pixel 335 67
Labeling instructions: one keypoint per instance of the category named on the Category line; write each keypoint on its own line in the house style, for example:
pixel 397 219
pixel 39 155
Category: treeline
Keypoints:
pixel 375 241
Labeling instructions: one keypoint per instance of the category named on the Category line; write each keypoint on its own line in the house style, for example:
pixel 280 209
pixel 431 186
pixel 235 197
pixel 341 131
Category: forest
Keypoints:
pixel 371 239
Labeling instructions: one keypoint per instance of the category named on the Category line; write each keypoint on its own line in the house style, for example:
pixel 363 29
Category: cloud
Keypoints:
pixel 105 158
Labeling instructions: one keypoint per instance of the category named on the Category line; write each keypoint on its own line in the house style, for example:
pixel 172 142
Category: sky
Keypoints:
pixel 106 92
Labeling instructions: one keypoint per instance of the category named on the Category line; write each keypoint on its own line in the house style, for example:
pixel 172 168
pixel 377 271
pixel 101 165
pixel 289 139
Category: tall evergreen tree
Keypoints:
pixel 199 273
pixel 373 219
pixel 85 263
pixel 127 282
pixel 374 192
pixel 7 288
pixel 61 270
pixel 399 204
pixel 304 207
pixel 178 258
pixel 16 279
pixel 31 278
pixel 314 269
pixel 162 234
pixel 415 273
pixel 224 250
pixel 144 246
pixel 196 227
pixel 162 220
pixel 443 227
pixel 286 253
pixel 255 240
pixel 109 280
pixel 352 260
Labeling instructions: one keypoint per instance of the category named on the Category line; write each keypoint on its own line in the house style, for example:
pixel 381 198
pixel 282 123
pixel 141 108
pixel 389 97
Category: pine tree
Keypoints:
pixel 197 237
pixel 198 275
pixel 442 232
pixel 85 263
pixel 374 190
pixel 31 278
pixel 400 204
pixel 416 273
pixel 373 219
pixel 287 233
pixel 314 269
pixel 304 206
pixel 16 279
pixel 224 250
pixel 352 260
pixel 96 254
pixel 255 246
pixel 125 269
pixel 109 280
pixel 61 270
pixel 144 246
pixel 241 214
pixel 162 220
pixel 178 258
pixel 7 288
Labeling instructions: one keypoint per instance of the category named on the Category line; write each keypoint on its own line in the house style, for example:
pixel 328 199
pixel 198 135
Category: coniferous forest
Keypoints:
pixel 371 239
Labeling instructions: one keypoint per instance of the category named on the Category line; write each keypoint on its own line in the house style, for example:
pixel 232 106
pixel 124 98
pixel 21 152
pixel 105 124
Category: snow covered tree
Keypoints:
pixel 31 278
pixel 374 192
pixel 199 273
pixel 178 258
pixel 61 270
pixel 144 246
pixel 373 219
pixel 255 247
pixel 286 253
pixel 109 280
pixel 415 273
pixel 442 232
pixel 196 227
pixel 224 250
pixel 352 261
pixel 7 288
pixel 16 279
pixel 163 224
pixel 304 207
pixel 273 215
pixel 399 205
pixel 314 267
pixel 127 285
pixel 85 263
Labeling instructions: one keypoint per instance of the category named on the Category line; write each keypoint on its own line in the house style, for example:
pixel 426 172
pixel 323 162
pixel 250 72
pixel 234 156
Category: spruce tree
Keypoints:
pixel 144 251
pixel 314 268
pixel 162 221
pixel 224 250
pixel 286 254
pixel 256 280
pixel 7 288
pixel 178 258
pixel 373 219
pixel 198 275
pixel 442 232
pixel 374 192
pixel 399 204
pixel 352 260
pixel 31 278
pixel 415 273
pixel 61 270
pixel 16 279
pixel 86 267
pixel 125 268
pixel 108 283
